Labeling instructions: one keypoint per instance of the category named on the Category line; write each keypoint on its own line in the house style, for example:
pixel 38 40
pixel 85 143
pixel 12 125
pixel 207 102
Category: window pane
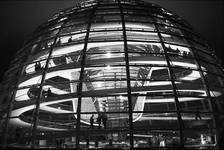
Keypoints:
pixel 179 50
pixel 142 36
pixel 171 30
pixel 174 39
pixel 156 139
pixel 105 36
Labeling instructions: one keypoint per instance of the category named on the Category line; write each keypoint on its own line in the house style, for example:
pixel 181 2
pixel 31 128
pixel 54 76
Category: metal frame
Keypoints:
pixel 78 132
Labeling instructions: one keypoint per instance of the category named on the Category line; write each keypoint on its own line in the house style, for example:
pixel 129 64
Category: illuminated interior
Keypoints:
pixel 136 63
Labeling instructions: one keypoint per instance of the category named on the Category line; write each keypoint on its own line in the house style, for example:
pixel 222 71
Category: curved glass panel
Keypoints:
pixel 113 74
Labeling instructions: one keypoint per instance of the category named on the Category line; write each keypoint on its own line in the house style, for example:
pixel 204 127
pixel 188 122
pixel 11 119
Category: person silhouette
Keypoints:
pixel 99 120
pixel 38 66
pixel 58 42
pixel 49 93
pixel 70 40
pixel 197 114
pixel 104 118
pixel 91 121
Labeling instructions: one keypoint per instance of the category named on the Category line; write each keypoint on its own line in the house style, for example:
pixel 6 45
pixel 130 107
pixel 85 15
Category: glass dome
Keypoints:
pixel 113 74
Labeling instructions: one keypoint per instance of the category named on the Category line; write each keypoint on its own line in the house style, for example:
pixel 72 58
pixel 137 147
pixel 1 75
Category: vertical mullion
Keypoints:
pixel 37 105
pixel 128 77
pixel 170 71
pixel 79 87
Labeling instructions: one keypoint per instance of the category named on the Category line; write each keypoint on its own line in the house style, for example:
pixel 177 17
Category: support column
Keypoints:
pixel 79 86
pixel 128 77
pixel 171 74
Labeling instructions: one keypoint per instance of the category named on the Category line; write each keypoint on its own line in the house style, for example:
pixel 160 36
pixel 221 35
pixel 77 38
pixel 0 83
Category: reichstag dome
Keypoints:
pixel 113 74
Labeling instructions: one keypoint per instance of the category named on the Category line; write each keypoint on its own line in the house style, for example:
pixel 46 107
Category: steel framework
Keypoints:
pixel 135 66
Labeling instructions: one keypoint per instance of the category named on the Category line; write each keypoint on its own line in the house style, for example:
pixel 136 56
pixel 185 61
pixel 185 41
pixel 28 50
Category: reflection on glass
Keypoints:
pixel 145 36
pixel 156 139
pixel 211 68
pixel 171 30
pixel 182 62
pixel 139 26
pixel 35 67
pixel 174 39
pixel 106 26
pixel 179 50
pixel 99 36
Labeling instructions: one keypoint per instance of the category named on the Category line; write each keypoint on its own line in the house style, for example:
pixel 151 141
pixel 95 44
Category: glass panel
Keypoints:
pixel 58 86
pixel 147 59
pixel 194 104
pixel 105 140
pixel 105 36
pixel 73 29
pixel 71 38
pixel 102 6
pixel 101 120
pixel 135 11
pixel 30 81
pixel 35 67
pixel 56 139
pixel 182 62
pixel 63 78
pixel 105 73
pixel 73 49
pixel 137 18
pixel 105 58
pixel 106 26
pixel 199 46
pixel 183 74
pixel 166 29
pixel 41 46
pixel 155 121
pixel 48 34
pixel 144 73
pixel 143 36
pixel 218 105
pixel 108 78
pixel 193 36
pixel 107 11
pixel 179 50
pixel 144 47
pixel 139 26
pixel 166 22
pixel 205 56
pixel 80 18
pixel 95 105
pixel 104 87
pixel 216 91
pixel 55 122
pixel 174 39
pixel 27 93
pixel 51 116
pixel 105 47
pixel 190 89
pixel 156 139
pixel 210 67
pixel 73 58
pixel 200 133
pixel 214 80
pixel 161 102
pixel 107 18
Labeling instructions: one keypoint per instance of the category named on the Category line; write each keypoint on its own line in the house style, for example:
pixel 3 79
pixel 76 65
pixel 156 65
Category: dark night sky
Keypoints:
pixel 19 18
